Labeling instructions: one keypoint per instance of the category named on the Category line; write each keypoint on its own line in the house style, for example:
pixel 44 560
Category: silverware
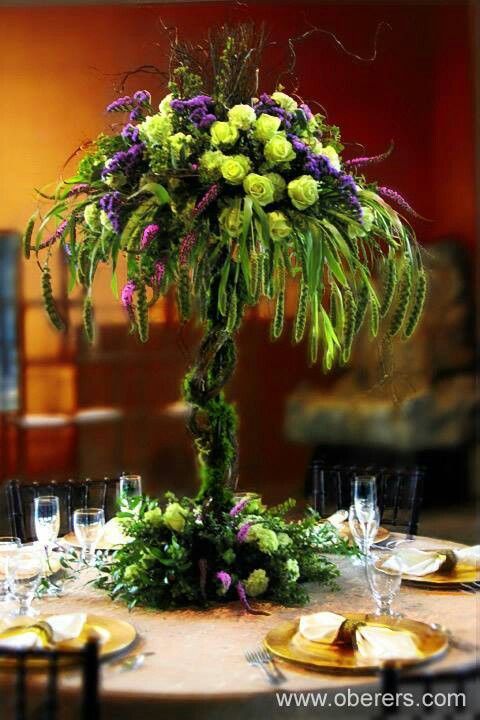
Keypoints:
pixel 392 544
pixel 473 587
pixel 130 662
pixel 452 641
pixel 269 659
pixel 256 658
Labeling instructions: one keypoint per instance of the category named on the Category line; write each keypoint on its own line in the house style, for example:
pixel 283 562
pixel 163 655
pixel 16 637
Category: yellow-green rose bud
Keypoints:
pixel 91 216
pixel 210 163
pixel 279 149
pixel 153 517
pixel 155 129
pixel 330 153
pixel 266 127
pixel 278 225
pixel 131 572
pixel 285 101
pixel 174 517
pixel 242 116
pixel 231 220
pixel 303 191
pixel 259 188
pixel 279 185
pixel 116 180
pixel 256 583
pixel 235 168
pixel 181 144
pixel 223 133
pixel 165 107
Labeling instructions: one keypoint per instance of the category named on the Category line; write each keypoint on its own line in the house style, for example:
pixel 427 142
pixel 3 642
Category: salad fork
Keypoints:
pixel 256 659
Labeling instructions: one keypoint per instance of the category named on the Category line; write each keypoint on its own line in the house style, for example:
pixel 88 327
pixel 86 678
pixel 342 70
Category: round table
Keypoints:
pixel 199 670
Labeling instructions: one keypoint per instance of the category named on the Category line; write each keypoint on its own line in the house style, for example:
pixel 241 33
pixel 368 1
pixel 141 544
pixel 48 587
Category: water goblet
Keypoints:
pixel 130 486
pixel 384 580
pixel 363 533
pixel 9 545
pixel 47 520
pixel 25 571
pixel 88 524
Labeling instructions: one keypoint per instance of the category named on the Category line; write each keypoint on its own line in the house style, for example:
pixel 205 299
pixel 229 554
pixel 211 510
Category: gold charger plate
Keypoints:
pixel 382 533
pixel 285 642
pixel 114 637
pixel 461 574
pixel 71 540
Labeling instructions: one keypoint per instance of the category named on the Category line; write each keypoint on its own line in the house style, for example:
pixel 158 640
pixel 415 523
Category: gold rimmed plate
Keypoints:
pixel 344 532
pixel 288 644
pixel 460 575
pixel 113 636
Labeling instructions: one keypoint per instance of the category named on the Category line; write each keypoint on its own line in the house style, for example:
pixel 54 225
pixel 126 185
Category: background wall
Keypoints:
pixel 59 68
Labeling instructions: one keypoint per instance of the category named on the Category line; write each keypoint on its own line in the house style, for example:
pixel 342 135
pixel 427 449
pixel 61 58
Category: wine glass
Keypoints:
pixel 364 533
pixel 364 496
pixel 25 570
pixel 8 547
pixel 130 486
pixel 47 520
pixel 384 581
pixel 88 524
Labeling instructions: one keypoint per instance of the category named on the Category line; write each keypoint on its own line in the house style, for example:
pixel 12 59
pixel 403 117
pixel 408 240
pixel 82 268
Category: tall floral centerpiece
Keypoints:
pixel 228 194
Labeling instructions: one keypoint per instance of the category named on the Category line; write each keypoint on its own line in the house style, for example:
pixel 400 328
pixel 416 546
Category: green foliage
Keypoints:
pixel 88 321
pixel 389 285
pixel 142 311
pixel 48 300
pixel 404 294
pixel 417 304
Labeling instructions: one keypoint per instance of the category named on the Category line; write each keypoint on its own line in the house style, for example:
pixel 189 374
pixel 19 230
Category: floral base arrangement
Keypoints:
pixel 187 555
pixel 228 196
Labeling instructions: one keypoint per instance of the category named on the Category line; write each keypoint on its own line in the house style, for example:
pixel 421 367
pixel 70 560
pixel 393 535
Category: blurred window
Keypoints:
pixel 9 244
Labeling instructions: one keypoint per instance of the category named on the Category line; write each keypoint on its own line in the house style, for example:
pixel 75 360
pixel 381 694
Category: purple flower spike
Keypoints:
pixel 363 161
pixel 236 509
pixel 149 234
pixel 307 111
pixel 122 104
pixel 393 195
pixel 142 97
pixel 127 295
pixel 54 236
pixel 209 197
pixel 243 532
pixel 242 596
pixel 159 272
pixel 186 246
pixel 225 579
pixel 130 133
pixel 78 190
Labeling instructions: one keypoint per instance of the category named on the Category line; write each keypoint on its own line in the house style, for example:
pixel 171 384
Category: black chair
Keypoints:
pixel 26 693
pixel 72 494
pixel 460 688
pixel 399 492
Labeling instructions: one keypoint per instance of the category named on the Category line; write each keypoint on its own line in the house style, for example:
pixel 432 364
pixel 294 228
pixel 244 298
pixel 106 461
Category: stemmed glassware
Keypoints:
pixel 25 571
pixel 384 580
pixel 364 533
pixel 130 486
pixel 88 524
pixel 364 496
pixel 47 520
pixel 9 546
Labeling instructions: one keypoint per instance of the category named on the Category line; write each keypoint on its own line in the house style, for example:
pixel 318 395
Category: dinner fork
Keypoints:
pixel 256 659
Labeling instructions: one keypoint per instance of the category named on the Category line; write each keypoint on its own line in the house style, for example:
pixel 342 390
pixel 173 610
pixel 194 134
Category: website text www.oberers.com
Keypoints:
pixel 365 700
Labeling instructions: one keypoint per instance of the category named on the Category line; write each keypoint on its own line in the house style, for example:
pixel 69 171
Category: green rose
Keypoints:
pixel 181 144
pixel 231 220
pixel 265 538
pixel 292 569
pixel 155 129
pixel 228 556
pixel 330 153
pixel 285 101
pixel 131 573
pixel 242 116
pixel 266 127
pixel 303 191
pixel 279 149
pixel 153 517
pixel 279 185
pixel 165 107
pixel 259 188
pixel 279 226
pixel 355 230
pixel 116 180
pixel 223 133
pixel 235 168
pixel 174 517
pixel 210 163
pixel 91 215
pixel 256 583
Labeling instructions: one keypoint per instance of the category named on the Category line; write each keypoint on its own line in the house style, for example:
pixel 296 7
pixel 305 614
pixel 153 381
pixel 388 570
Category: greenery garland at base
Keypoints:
pixel 186 554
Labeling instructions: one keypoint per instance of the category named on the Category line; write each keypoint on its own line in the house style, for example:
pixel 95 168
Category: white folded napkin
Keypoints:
pixel 382 643
pixel 66 627
pixel 321 627
pixel 338 518
pixel 412 561
pixel 25 640
pixel 113 533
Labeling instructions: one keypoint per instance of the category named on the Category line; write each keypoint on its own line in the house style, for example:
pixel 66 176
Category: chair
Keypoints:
pixel 18 695
pixel 72 494
pixel 399 492
pixel 460 688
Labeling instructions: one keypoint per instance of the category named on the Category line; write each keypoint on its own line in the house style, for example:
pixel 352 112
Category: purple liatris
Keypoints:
pixel 363 161
pixel 390 194
pixel 243 532
pixel 78 190
pixel 149 234
pixel 225 579
pixel 159 272
pixel 242 596
pixel 209 197
pixel 186 245
pixel 54 236
pixel 127 296
pixel 236 509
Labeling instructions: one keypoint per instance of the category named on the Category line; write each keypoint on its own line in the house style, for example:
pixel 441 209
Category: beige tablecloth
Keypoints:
pixel 199 671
